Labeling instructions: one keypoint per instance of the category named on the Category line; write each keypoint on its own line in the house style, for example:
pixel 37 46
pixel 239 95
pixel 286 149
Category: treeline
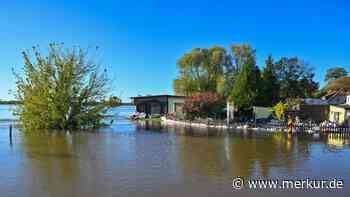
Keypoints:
pixel 112 101
pixel 9 102
pixel 234 75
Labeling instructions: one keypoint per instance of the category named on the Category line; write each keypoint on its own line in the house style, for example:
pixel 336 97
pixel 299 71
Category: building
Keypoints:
pixel 340 113
pixel 311 109
pixel 314 109
pixel 159 104
pixel 334 107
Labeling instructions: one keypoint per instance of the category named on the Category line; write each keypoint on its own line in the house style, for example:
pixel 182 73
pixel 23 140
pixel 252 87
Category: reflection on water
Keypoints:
pixel 150 159
pixel 338 140
pixel 246 154
pixel 51 161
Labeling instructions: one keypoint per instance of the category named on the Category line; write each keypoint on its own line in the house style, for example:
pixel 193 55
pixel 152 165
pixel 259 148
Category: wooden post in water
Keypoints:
pixel 10 134
pixel 10 131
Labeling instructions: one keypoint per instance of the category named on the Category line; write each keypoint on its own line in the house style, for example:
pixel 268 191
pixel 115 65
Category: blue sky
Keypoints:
pixel 140 41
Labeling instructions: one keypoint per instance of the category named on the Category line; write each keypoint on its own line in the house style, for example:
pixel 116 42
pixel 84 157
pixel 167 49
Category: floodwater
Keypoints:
pixel 152 160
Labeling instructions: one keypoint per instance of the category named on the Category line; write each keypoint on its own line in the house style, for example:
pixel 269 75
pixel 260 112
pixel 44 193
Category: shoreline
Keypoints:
pixel 262 128
pixel 223 126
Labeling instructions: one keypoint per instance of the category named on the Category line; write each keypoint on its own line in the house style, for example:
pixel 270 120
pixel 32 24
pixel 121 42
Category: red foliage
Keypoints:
pixel 203 104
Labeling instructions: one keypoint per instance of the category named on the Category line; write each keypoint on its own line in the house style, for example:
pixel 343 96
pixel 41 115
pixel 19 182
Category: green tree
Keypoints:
pixel 201 70
pixel 63 90
pixel 269 94
pixel 246 86
pixel 113 101
pixel 335 73
pixel 279 110
pixel 240 53
pixel 339 86
pixel 296 78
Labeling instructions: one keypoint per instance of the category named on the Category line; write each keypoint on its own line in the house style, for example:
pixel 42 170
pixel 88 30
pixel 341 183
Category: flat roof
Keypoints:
pixel 155 96
pixel 313 101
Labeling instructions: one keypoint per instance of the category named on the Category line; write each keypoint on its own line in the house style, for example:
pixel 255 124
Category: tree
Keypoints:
pixel 279 110
pixel 239 55
pixel 113 101
pixel 270 90
pixel 295 78
pixel 203 105
pixel 338 86
pixel 246 86
pixel 63 90
pixel 201 70
pixel 335 73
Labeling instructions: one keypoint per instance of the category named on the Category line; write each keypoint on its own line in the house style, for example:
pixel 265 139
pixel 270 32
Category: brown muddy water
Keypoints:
pixel 131 159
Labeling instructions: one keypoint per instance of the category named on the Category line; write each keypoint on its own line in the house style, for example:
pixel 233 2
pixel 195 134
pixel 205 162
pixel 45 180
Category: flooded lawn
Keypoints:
pixel 151 160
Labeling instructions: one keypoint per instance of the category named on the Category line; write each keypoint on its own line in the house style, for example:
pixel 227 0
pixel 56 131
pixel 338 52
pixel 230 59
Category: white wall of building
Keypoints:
pixel 171 103
pixel 348 100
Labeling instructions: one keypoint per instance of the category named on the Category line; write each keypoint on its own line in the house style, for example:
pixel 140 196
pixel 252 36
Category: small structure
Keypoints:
pixel 315 109
pixel 261 112
pixel 340 113
pixel 159 104
pixel 311 109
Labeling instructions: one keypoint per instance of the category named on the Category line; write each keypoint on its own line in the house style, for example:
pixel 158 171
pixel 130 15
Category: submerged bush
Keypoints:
pixel 63 90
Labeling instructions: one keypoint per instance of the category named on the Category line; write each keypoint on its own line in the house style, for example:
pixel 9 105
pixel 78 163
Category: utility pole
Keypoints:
pixel 230 111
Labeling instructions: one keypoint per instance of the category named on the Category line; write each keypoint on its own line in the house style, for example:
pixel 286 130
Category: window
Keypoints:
pixel 336 116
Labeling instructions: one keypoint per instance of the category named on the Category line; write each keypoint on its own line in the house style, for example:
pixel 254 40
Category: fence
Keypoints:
pixel 324 129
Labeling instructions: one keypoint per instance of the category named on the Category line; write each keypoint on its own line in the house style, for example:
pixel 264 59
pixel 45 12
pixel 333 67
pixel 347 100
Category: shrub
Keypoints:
pixel 64 90
pixel 279 110
pixel 203 105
